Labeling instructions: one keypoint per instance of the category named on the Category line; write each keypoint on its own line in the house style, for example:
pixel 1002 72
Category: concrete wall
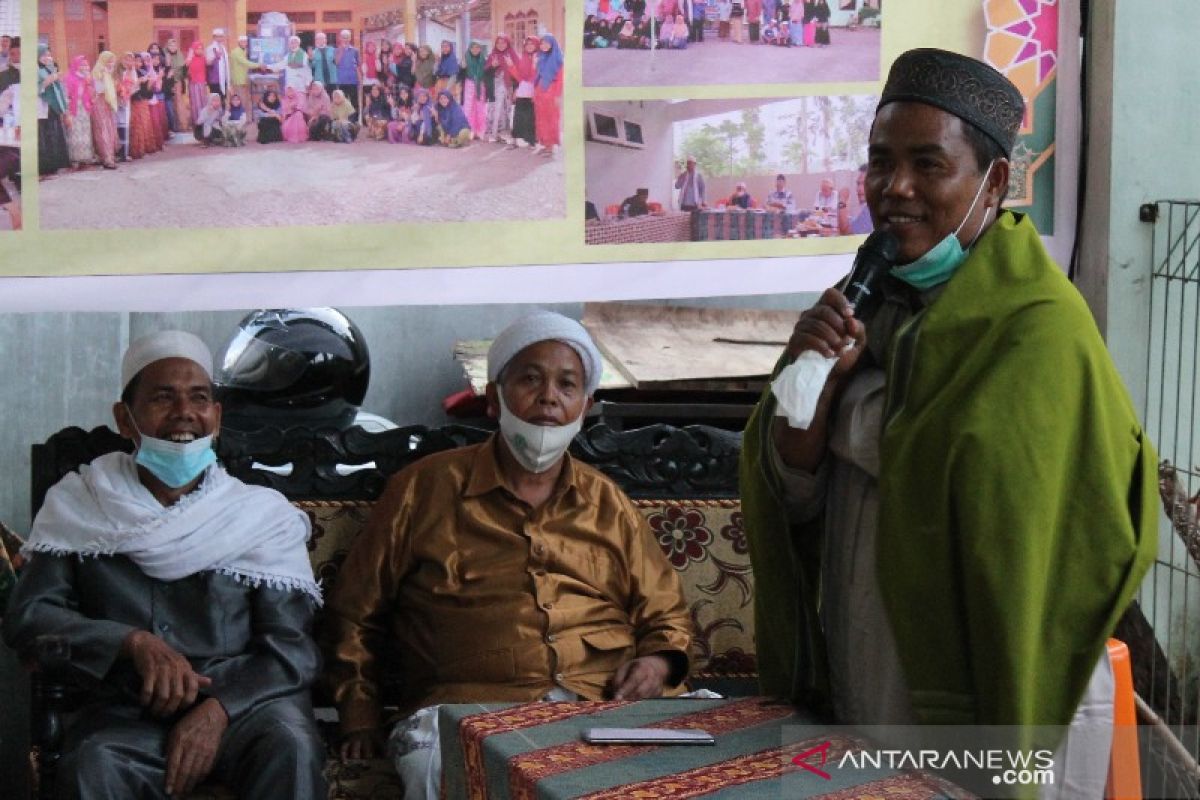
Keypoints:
pixel 1143 135
pixel 614 172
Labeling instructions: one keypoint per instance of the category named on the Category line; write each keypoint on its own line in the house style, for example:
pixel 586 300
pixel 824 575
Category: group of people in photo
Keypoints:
pixel 674 24
pixel 122 109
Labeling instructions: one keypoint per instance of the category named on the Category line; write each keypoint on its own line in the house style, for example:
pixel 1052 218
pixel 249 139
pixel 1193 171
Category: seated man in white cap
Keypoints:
pixel 505 571
pixel 186 598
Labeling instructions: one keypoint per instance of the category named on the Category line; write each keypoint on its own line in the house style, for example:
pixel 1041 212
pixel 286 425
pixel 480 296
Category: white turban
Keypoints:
pixel 164 344
pixel 218 31
pixel 541 326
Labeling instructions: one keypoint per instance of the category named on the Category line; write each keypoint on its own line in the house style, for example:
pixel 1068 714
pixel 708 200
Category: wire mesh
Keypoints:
pixel 1170 598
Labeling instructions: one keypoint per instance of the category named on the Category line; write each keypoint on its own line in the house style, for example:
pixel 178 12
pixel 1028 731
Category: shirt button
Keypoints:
pixel 551 638
pixel 164 627
pixel 558 677
pixel 547 606
pixel 538 549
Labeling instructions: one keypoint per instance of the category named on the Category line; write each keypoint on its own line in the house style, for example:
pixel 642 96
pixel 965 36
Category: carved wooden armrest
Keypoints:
pixel 49 685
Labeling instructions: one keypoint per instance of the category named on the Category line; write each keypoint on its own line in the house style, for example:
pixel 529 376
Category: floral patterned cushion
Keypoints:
pixel 704 540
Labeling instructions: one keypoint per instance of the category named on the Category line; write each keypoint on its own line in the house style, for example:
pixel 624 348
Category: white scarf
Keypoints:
pixel 248 532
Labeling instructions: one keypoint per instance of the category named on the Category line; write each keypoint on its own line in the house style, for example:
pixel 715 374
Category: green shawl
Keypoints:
pixel 1018 500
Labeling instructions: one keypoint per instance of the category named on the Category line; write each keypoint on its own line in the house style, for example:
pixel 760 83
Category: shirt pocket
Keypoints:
pixel 607 649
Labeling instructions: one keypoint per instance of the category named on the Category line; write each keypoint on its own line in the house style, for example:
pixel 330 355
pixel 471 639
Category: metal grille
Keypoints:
pixel 1171 595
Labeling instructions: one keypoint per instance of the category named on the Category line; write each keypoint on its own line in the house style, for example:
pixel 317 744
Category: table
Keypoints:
pixel 723 224
pixel 534 750
pixel 669 227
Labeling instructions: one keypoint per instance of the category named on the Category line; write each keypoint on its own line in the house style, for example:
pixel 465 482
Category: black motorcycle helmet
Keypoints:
pixel 293 366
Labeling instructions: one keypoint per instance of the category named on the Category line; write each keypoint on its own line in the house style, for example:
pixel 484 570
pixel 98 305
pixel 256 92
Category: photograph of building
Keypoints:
pixel 713 170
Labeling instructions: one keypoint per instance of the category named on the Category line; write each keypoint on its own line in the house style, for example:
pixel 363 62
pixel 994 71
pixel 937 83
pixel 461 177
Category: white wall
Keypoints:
pixel 1143 136
pixel 614 172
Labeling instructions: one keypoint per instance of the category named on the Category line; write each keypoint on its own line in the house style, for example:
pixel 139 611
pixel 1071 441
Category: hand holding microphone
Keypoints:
pixel 829 337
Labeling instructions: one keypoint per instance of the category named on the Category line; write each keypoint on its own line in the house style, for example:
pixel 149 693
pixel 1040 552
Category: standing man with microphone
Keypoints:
pixel 973 502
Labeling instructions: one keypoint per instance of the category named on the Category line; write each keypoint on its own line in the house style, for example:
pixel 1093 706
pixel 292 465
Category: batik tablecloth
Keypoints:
pixel 534 750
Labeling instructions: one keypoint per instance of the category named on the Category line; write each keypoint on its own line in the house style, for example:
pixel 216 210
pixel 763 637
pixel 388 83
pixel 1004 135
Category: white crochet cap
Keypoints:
pixel 541 326
pixel 164 344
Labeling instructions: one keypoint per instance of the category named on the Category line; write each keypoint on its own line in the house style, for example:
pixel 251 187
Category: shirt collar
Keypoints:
pixel 486 475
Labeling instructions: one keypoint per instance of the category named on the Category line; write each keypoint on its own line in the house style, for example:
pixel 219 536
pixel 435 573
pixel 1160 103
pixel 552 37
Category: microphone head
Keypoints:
pixel 882 244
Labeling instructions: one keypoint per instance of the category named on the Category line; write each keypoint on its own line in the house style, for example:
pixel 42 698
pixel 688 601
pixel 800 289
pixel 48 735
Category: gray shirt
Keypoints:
pixel 254 642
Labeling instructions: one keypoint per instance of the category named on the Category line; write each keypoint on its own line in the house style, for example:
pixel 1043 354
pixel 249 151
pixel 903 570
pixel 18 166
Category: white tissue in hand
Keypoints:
pixel 798 387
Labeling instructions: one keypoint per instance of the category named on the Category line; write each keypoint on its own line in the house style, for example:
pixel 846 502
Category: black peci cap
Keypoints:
pixel 959 85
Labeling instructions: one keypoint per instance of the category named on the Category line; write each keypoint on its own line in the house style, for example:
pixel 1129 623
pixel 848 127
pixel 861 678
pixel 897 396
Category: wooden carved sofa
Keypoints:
pixel 684 480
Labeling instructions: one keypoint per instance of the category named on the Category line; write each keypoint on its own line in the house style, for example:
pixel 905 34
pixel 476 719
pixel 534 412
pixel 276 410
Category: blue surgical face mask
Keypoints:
pixel 174 463
pixel 941 260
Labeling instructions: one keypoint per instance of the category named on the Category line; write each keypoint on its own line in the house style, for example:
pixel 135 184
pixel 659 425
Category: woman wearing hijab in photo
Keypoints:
pixel 147 87
pixel 447 69
pixel 403 59
pixel 235 121
pixel 821 16
pixel 270 118
pixel 680 33
pixel 197 80
pixel 621 32
pixel 452 121
pixel 175 87
pixel 589 32
pixel 317 112
pixel 370 68
pixel 796 26
pixel 295 123
pixel 397 129
pixel 425 67
pixel 79 110
pixel 342 127
pixel 422 124
pixel 378 113
pixel 385 67
pixel 52 110
pixel 158 103
pixel 126 77
pixel 209 130
pixel 475 92
pixel 524 72
pixel 297 71
pixel 104 110
pixel 500 63
pixel 547 95
pixel 810 23
pixel 141 126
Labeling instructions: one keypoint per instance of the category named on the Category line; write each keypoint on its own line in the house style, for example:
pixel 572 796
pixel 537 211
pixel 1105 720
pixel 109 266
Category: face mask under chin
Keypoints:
pixel 176 464
pixel 940 262
pixel 537 448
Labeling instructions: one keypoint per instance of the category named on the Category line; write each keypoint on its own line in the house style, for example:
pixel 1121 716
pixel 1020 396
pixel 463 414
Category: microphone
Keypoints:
pixel 876 256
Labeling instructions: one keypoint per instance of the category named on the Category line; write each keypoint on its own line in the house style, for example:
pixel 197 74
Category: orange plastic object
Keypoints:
pixel 1124 771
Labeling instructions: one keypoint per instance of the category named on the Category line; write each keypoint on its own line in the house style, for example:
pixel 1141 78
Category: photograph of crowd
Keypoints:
pixel 10 115
pixel 716 170
pixel 450 108
pixel 688 42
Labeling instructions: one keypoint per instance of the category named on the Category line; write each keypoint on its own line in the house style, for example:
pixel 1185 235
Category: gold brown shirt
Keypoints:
pixel 484 599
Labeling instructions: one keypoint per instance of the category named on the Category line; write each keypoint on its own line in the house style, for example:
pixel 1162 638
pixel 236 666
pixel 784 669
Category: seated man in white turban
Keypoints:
pixel 505 571
pixel 186 598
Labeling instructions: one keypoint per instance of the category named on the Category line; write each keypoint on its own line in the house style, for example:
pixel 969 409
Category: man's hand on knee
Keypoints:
pixel 361 744
pixel 640 678
pixel 168 681
pixel 192 746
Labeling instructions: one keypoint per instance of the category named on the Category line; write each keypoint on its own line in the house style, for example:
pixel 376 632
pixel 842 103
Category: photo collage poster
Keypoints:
pixel 401 134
